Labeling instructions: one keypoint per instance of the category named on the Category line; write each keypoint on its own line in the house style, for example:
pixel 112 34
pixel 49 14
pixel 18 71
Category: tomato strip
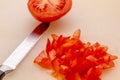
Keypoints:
pixel 72 59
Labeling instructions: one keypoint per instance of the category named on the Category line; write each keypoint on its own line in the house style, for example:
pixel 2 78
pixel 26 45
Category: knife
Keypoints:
pixel 22 50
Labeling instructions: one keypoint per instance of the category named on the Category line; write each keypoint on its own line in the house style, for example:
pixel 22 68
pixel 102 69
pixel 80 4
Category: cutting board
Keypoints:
pixel 98 20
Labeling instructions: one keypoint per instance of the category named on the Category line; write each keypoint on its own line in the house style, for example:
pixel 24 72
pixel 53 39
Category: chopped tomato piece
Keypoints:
pixel 43 60
pixel 72 59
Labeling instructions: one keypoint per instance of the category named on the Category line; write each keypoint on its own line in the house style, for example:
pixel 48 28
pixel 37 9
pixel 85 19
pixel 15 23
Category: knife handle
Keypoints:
pixel 4 70
pixel 2 74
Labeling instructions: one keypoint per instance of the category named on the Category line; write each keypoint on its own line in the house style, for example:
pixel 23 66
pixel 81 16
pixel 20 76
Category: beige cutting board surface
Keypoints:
pixel 99 20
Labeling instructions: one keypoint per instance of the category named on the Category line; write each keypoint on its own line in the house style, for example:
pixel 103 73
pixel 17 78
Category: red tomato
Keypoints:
pixel 43 60
pixel 72 59
pixel 49 10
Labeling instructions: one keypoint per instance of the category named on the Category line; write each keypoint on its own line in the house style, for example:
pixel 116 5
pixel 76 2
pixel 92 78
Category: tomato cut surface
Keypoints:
pixel 72 59
pixel 49 10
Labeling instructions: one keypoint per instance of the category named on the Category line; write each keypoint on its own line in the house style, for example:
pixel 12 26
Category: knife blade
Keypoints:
pixel 22 50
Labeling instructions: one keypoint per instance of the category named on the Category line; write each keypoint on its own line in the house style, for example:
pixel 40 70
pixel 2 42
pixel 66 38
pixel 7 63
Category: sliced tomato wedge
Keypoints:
pixel 49 10
pixel 72 59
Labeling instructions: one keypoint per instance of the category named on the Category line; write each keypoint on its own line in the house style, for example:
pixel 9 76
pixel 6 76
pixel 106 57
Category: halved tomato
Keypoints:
pixel 49 10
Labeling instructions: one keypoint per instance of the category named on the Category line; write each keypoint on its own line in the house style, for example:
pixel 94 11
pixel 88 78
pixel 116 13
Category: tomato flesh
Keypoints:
pixel 72 59
pixel 49 10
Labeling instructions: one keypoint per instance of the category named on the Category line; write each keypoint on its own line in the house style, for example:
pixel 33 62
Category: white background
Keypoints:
pixel 99 21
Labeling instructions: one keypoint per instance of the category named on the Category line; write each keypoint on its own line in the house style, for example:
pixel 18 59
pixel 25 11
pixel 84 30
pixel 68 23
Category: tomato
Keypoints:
pixel 72 59
pixel 43 60
pixel 49 10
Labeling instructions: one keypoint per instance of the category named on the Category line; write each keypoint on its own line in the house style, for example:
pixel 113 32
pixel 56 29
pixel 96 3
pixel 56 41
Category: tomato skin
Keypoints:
pixel 48 15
